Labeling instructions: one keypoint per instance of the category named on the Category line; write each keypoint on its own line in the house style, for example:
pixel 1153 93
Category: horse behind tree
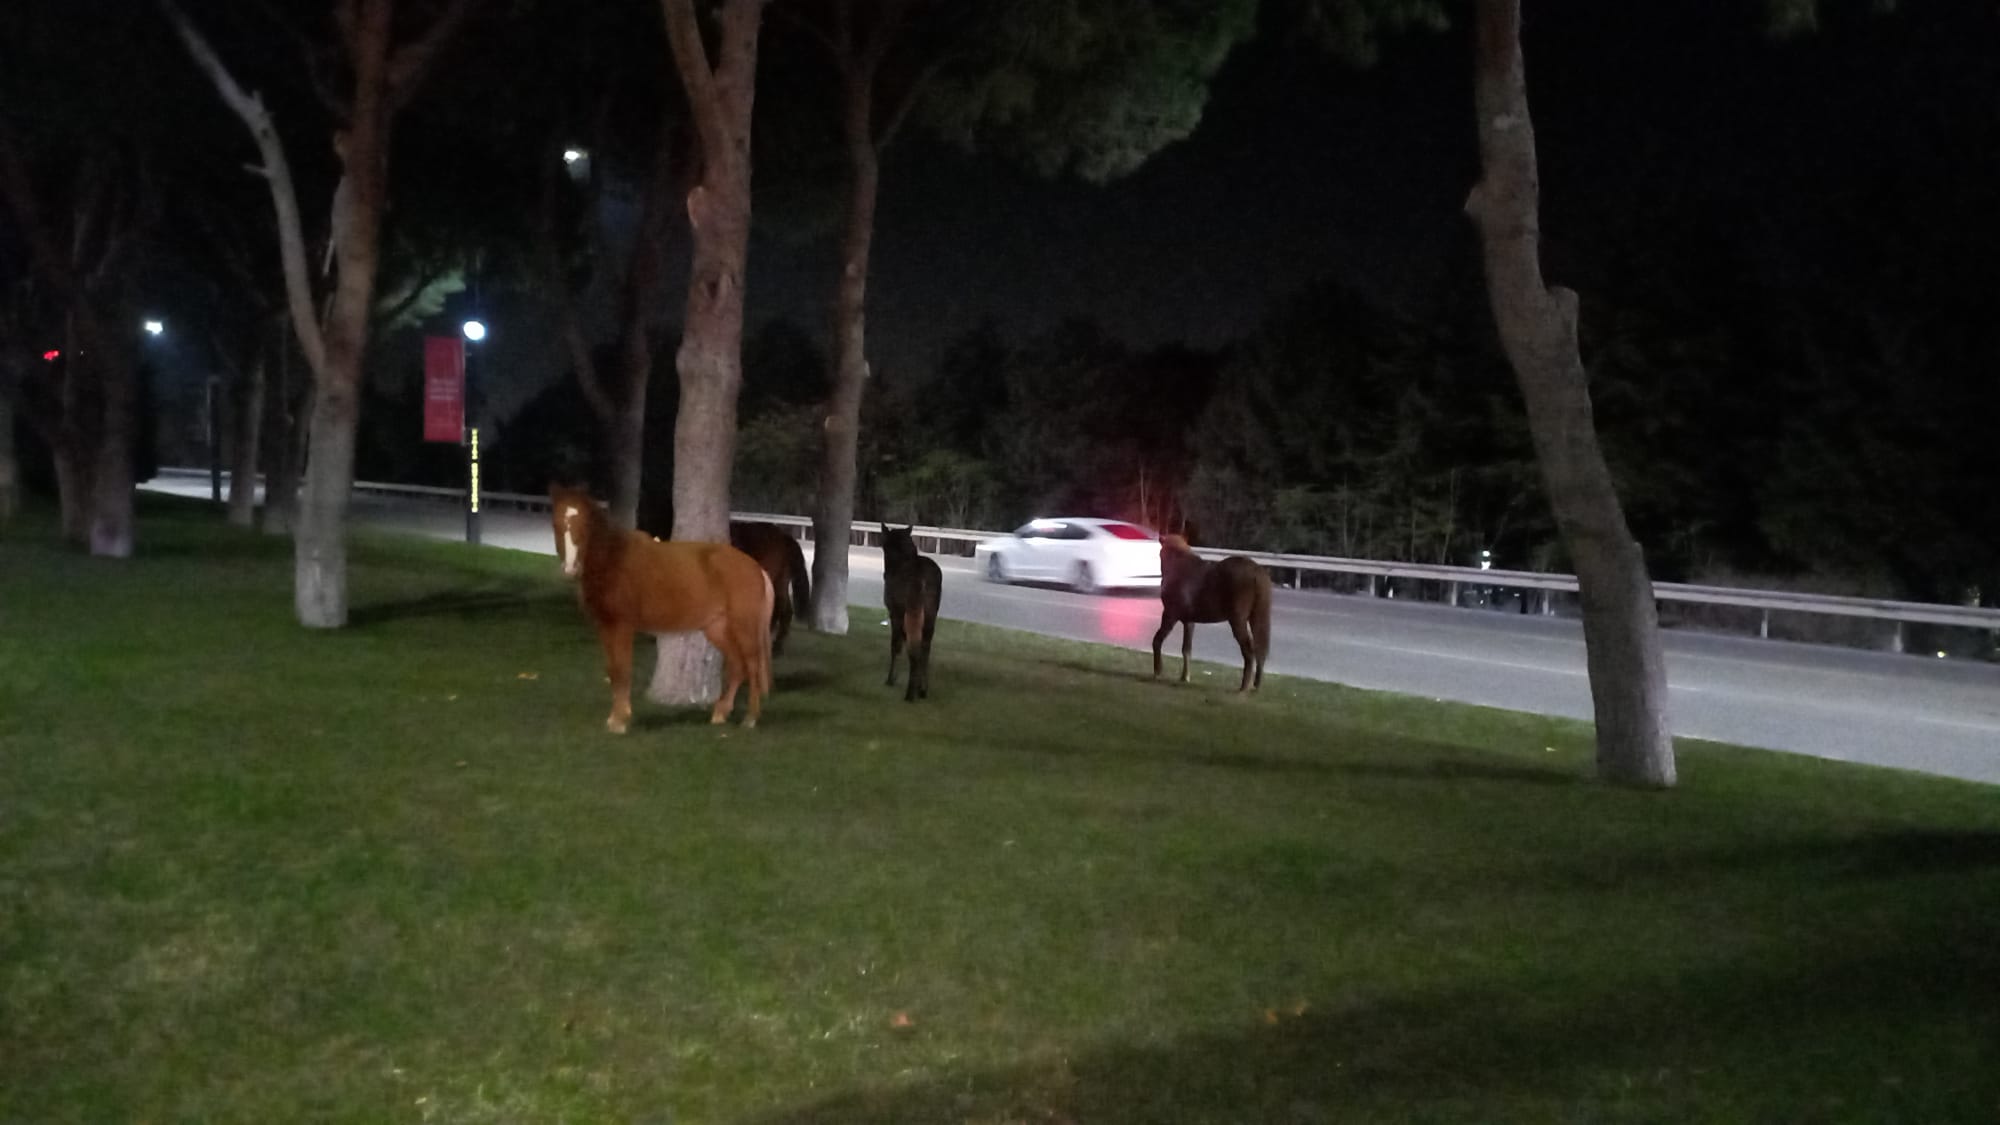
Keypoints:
pixel 912 587
pixel 1235 590
pixel 778 552
pixel 630 583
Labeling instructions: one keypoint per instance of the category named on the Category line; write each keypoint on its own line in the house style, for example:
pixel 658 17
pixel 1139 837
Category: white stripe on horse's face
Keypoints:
pixel 572 559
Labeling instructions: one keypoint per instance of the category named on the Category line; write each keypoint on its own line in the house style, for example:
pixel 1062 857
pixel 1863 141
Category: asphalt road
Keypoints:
pixel 1906 712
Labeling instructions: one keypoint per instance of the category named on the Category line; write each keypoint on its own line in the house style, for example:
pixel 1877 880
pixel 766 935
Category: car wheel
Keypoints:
pixel 996 571
pixel 1083 582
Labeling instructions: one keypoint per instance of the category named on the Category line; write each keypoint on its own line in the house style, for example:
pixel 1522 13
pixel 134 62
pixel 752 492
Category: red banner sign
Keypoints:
pixel 444 389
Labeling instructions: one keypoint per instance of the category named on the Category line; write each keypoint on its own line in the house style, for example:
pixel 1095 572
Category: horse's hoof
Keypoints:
pixel 717 720
pixel 749 724
pixel 615 725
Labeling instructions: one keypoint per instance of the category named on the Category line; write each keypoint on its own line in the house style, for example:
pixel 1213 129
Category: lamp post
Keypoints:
pixel 475 331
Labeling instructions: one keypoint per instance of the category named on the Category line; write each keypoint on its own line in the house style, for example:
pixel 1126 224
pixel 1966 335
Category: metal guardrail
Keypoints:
pixel 1766 601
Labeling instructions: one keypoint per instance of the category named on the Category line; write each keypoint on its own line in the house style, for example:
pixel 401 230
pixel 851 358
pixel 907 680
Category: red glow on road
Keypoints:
pixel 1126 620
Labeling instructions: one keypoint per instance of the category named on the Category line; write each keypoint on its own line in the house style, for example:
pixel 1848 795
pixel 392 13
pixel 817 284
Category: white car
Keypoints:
pixel 1085 554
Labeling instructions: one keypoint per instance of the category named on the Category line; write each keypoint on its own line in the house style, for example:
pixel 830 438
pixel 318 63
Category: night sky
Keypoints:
pixel 1305 169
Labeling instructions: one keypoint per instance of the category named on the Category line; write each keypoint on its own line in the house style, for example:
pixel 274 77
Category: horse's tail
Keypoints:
pixel 1260 619
pixel 762 673
pixel 802 589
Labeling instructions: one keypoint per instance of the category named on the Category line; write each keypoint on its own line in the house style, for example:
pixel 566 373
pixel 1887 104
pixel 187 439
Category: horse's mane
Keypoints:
pixel 1175 544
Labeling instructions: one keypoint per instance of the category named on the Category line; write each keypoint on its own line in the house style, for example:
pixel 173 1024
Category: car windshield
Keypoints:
pixel 1128 531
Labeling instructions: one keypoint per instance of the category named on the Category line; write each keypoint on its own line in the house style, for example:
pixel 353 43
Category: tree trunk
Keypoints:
pixel 320 540
pixel 282 455
pixel 1538 328
pixel 111 477
pixel 626 430
pixel 72 492
pixel 833 520
pixel 245 418
pixel 10 472
pixel 382 82
pixel 710 361
pixel 92 444
pixel 69 446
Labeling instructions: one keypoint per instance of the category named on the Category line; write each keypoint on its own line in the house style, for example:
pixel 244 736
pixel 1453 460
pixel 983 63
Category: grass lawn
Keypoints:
pixel 400 873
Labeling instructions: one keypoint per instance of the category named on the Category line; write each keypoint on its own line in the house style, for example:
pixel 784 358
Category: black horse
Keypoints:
pixel 911 588
pixel 1235 590
pixel 779 554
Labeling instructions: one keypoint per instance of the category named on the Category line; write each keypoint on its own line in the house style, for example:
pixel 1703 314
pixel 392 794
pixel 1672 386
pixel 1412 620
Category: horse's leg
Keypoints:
pixel 617 641
pixel 752 638
pixel 781 614
pixel 1160 638
pixel 895 645
pixel 756 639
pixel 1187 646
pixel 1240 625
pixel 913 634
pixel 1260 628
pixel 718 634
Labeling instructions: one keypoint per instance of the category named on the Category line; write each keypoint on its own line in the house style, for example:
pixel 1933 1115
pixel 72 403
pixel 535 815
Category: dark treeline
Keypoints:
pixel 1792 370
pixel 1760 426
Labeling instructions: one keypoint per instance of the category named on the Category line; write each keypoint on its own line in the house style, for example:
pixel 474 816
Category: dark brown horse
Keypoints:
pixel 779 554
pixel 1235 590
pixel 912 586
pixel 630 582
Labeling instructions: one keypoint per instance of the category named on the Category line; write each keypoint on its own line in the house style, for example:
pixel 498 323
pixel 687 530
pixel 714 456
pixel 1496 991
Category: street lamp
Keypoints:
pixel 572 155
pixel 475 331
pixel 154 327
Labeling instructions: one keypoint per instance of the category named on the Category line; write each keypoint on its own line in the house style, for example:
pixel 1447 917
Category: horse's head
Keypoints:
pixel 1173 551
pixel 896 541
pixel 570 514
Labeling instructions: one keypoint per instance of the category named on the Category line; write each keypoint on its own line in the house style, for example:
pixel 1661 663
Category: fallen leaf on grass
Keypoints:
pixel 901 1021
pixel 528 676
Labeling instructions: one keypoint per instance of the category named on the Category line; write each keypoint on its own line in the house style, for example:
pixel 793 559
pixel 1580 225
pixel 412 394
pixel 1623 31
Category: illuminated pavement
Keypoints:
pixel 1933 716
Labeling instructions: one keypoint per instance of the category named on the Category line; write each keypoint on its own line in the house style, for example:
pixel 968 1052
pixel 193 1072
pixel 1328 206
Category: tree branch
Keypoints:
pixel 312 55
pixel 277 174
pixel 900 112
pixel 786 14
pixel 409 64
pixel 347 20
pixel 691 59
pixel 18 188
pixel 882 34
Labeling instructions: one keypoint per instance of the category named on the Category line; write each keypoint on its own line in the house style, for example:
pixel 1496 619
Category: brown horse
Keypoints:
pixel 778 553
pixel 1235 590
pixel 912 586
pixel 630 582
